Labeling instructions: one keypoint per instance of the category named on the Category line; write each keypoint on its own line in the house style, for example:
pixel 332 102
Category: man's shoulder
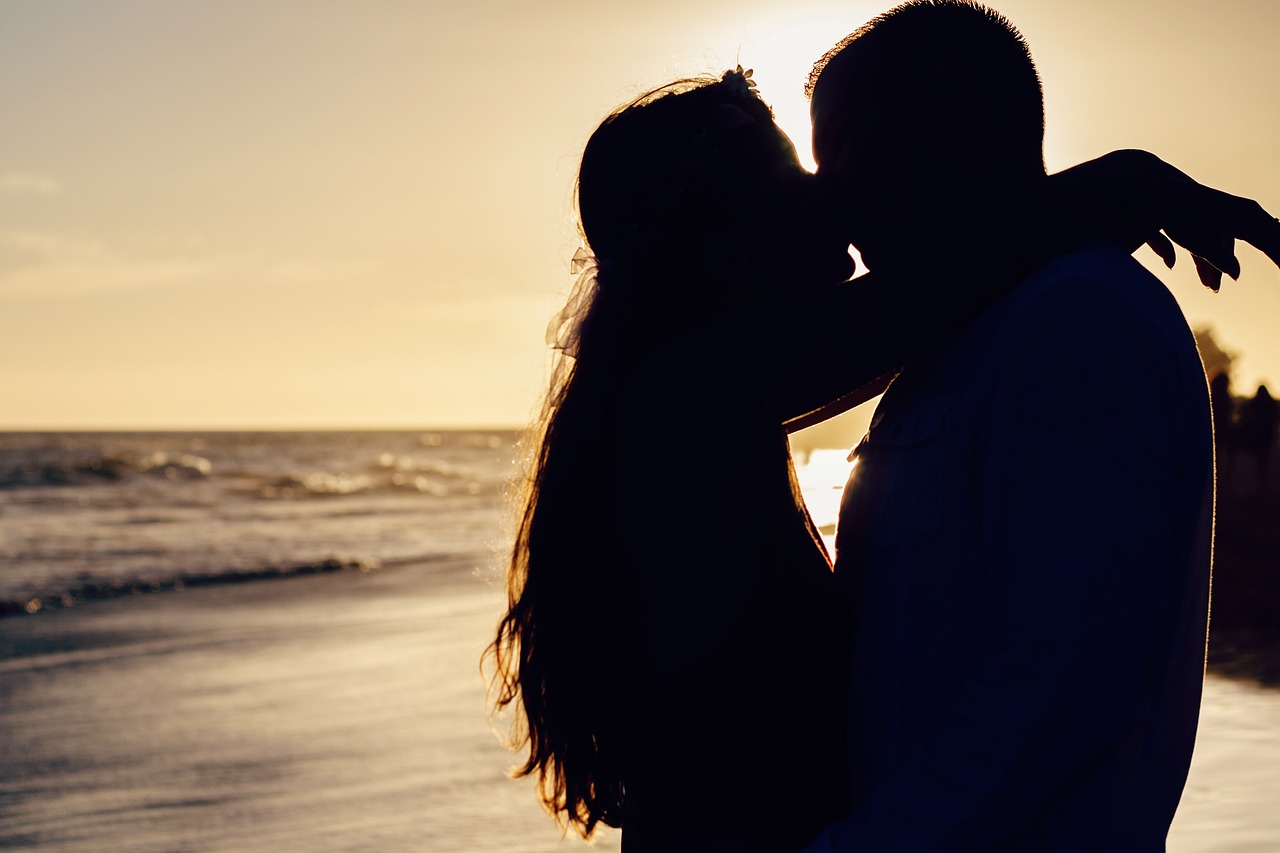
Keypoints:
pixel 1059 315
pixel 1096 292
pixel 1099 317
pixel 1101 262
pixel 1099 280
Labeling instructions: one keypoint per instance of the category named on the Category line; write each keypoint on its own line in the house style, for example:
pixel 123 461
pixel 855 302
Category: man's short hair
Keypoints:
pixel 963 40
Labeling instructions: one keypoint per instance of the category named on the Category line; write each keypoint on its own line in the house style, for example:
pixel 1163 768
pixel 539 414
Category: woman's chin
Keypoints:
pixel 844 268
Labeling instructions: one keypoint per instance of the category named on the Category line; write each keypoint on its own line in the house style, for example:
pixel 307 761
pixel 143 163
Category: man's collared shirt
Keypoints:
pixel 1026 540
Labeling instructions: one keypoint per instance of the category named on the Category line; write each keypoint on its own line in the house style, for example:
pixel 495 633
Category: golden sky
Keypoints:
pixel 317 213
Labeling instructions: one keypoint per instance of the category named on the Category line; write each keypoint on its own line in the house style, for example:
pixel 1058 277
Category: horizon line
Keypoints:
pixel 7 428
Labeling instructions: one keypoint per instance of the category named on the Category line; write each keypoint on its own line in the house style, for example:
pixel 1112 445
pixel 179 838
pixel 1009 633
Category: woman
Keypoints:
pixel 674 637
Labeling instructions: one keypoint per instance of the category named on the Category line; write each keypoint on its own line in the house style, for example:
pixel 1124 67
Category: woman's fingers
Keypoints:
pixel 1221 252
pixel 1212 253
pixel 1210 276
pixel 1240 218
pixel 1258 228
pixel 1207 222
pixel 1161 245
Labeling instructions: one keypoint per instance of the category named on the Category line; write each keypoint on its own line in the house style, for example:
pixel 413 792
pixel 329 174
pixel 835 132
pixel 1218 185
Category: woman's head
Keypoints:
pixel 691 192
pixel 688 196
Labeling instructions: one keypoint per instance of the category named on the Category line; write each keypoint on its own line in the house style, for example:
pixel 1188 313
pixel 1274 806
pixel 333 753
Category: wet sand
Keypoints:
pixel 345 712
pixel 1229 804
pixel 339 712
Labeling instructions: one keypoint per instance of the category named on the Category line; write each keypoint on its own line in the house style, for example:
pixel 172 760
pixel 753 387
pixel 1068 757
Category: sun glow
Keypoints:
pixel 790 53
pixel 324 215
pixel 781 48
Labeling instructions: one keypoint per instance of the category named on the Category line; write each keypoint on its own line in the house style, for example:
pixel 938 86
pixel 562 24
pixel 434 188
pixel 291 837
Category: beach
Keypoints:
pixel 307 675
pixel 325 713
pixel 345 712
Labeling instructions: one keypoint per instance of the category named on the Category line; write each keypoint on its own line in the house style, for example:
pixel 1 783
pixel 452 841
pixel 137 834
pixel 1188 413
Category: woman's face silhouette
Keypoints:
pixel 795 238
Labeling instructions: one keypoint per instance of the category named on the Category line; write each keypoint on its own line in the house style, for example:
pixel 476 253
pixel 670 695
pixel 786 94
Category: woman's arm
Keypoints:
pixel 836 346
pixel 842 404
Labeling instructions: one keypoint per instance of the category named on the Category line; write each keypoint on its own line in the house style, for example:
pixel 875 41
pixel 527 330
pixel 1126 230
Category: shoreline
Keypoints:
pixel 1244 641
pixel 330 711
pixel 346 711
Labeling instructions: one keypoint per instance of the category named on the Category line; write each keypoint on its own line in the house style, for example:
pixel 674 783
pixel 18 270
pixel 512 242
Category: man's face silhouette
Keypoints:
pixel 884 143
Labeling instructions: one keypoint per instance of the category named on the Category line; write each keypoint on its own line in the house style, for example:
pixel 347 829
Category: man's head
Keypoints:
pixel 929 101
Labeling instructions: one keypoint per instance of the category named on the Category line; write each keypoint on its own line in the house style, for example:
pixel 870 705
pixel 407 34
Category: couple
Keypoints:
pixel 1008 654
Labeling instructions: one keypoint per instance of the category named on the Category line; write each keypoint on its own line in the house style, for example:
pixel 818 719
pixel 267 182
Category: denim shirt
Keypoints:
pixel 1025 539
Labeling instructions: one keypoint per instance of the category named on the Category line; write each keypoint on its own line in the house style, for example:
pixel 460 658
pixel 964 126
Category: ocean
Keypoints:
pixel 94 515
pixel 266 641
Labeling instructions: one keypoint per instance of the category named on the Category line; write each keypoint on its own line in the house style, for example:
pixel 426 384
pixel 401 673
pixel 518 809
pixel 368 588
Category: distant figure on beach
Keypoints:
pixel 1255 431
pixel 675 640
pixel 1026 533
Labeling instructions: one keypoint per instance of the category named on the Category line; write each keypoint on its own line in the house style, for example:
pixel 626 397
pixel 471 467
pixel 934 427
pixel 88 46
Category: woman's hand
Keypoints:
pixel 1156 204
pixel 1207 222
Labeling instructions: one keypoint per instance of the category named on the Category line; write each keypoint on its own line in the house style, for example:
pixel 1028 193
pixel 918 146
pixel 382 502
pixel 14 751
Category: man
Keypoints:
pixel 1026 533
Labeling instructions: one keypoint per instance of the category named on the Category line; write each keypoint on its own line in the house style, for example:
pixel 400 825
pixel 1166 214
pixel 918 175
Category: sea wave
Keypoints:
pixel 85 516
pixel 39 470
pixel 87 590
pixel 389 473
pixel 325 484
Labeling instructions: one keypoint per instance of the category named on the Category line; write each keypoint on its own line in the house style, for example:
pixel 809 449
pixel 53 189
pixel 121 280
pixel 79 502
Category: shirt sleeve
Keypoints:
pixel 1077 481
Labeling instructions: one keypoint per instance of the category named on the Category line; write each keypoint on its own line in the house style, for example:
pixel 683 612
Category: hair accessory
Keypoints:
pixel 564 330
pixel 739 82
pixel 580 261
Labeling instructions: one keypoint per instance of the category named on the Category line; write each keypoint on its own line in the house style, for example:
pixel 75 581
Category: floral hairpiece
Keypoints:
pixel 739 82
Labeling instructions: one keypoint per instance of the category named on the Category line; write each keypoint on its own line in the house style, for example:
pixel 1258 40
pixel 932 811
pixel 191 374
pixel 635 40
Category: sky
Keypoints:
pixel 359 214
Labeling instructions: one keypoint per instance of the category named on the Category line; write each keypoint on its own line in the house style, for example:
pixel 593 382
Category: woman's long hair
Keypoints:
pixel 658 179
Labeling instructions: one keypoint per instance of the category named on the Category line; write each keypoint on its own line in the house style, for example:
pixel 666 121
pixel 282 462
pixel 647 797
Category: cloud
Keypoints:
pixel 41 263
pixel 25 183
pixel 48 263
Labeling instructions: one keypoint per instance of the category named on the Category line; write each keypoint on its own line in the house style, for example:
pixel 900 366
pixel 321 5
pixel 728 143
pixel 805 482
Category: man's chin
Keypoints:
pixel 883 253
pixel 869 257
pixel 823 272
